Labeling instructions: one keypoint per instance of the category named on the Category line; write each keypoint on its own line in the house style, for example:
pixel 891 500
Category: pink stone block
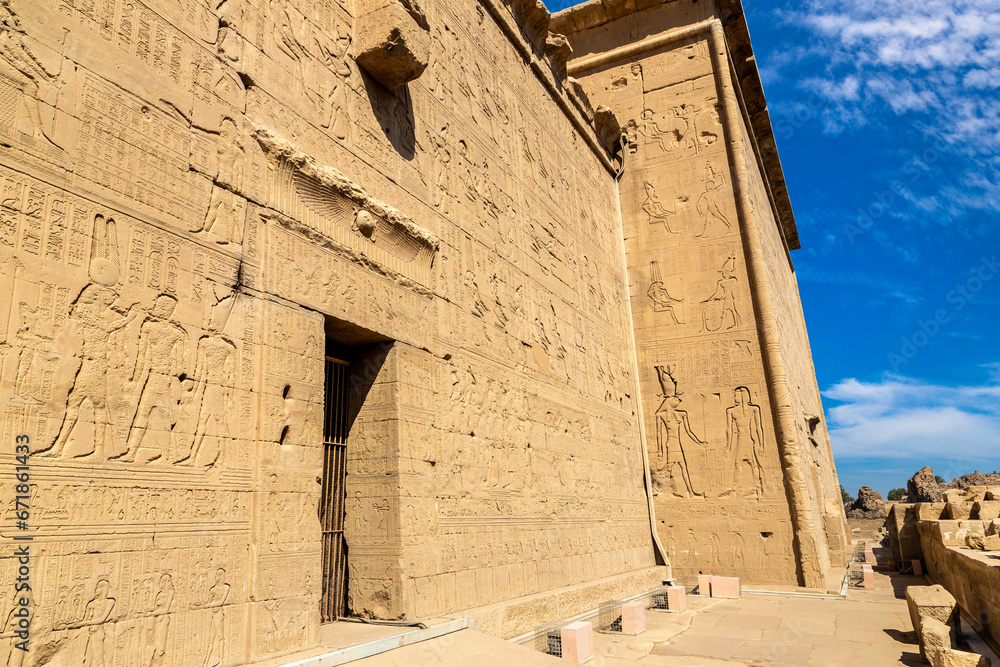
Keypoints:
pixel 869 554
pixel 577 641
pixel 918 569
pixel 725 587
pixel 677 598
pixel 705 585
pixel 633 618
pixel 869 575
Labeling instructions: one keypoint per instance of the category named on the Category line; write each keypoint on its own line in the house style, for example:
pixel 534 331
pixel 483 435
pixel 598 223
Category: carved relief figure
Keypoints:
pixel 708 205
pixel 671 424
pixel 745 443
pixel 97 321
pixel 657 292
pixel 19 65
pixel 162 607
pixel 96 614
pixel 218 595
pixel 723 299
pixel 157 374
pixel 655 209
pixel 215 380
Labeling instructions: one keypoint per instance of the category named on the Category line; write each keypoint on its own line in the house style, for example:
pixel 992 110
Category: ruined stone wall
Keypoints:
pixel 193 197
pixel 741 487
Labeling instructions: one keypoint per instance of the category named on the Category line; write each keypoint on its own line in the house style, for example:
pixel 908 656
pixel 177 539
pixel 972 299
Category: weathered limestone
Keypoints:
pixel 934 636
pixel 951 658
pixel 393 41
pixel 931 602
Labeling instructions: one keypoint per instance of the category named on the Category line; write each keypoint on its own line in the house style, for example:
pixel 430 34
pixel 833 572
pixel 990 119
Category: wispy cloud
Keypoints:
pixel 930 67
pixel 903 418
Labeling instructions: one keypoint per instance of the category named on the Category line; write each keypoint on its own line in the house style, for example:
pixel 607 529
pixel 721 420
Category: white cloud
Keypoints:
pixel 936 56
pixel 902 418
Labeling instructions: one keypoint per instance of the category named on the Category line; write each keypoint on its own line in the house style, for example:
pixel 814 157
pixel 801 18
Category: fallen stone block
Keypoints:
pixel 577 641
pixel 934 636
pixel 930 601
pixel 975 541
pixel 949 657
pixel 986 510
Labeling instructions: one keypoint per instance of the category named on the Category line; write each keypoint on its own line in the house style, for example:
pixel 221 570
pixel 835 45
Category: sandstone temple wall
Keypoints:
pixel 194 198
pixel 733 421
pixel 202 204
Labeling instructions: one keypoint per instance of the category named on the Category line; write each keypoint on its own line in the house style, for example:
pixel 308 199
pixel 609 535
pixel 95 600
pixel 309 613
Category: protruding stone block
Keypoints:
pixel 725 587
pixel 951 658
pixel 958 511
pixel 633 618
pixel 930 601
pixel 677 598
pixel 705 585
pixel 577 641
pixel 929 511
pixel 986 510
pixel 392 39
pixel 934 636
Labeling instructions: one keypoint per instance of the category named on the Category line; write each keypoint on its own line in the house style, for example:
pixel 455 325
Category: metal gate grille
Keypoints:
pixel 332 500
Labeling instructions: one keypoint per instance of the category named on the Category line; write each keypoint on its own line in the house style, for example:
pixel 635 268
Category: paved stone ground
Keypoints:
pixel 870 627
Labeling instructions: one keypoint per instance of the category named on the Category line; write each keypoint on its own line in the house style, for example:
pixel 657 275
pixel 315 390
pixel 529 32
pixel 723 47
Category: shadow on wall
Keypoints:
pixel 393 109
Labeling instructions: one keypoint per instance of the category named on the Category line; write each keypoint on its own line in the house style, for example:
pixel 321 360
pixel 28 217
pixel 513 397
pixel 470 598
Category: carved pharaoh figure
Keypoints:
pixel 156 377
pixel 672 423
pixel 745 443
pixel 97 321
pixel 724 298
pixel 655 209
pixel 708 204
pixel 214 393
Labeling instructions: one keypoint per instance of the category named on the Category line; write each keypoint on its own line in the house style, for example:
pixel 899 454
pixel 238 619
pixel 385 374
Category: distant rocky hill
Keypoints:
pixel 869 505
pixel 923 488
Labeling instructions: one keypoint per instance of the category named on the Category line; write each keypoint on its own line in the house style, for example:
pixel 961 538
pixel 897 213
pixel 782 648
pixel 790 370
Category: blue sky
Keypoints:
pixel 887 118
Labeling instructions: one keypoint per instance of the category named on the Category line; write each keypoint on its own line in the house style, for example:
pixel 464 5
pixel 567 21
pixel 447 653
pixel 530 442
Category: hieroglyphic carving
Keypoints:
pixel 672 425
pixel 138 152
pixel 722 302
